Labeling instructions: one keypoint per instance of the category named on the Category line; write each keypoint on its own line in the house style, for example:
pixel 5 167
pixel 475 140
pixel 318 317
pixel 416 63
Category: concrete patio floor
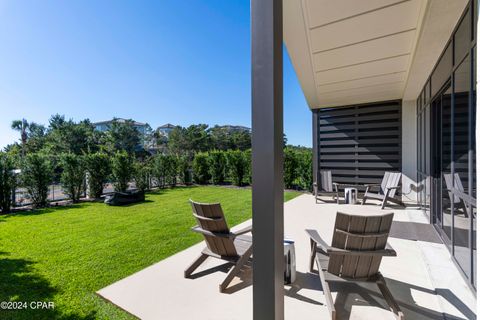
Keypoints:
pixel 422 278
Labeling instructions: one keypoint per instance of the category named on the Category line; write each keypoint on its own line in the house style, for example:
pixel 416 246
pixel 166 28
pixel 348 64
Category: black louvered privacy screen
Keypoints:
pixel 359 143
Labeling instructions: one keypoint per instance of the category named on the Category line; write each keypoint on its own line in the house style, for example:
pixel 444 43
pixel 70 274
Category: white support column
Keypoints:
pixel 409 150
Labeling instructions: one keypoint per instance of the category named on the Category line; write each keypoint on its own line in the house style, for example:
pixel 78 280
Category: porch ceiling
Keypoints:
pixel 348 52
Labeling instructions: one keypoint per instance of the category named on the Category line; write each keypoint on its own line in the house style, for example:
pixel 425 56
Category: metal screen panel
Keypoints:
pixel 359 143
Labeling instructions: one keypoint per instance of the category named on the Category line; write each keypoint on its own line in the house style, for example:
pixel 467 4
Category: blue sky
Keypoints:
pixel 173 61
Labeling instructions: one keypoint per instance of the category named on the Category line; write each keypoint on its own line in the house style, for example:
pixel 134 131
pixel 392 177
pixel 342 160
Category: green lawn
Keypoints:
pixel 65 254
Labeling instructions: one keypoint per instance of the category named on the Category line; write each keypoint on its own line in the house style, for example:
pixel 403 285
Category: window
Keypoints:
pixel 446 155
pixel 462 38
pixel 443 69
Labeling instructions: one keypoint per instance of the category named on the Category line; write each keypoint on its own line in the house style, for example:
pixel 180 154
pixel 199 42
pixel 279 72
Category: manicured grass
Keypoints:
pixel 66 254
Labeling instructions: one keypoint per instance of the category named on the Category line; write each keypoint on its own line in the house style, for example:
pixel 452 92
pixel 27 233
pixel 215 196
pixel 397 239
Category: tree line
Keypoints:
pixel 67 136
pixel 81 159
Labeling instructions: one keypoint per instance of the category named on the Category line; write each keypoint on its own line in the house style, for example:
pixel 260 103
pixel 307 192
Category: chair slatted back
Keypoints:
pixel 390 179
pixel 449 184
pixel 218 245
pixel 326 180
pixel 358 233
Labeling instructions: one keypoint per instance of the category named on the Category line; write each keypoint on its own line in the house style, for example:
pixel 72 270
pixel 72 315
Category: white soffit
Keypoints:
pixel 440 19
pixel 352 51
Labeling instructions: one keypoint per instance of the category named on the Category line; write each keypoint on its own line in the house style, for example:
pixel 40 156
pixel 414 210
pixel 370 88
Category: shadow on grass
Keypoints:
pixel 19 282
pixel 39 211
pixel 159 191
pixel 131 204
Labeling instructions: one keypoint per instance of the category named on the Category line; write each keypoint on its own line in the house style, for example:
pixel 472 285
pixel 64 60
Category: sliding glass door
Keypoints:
pixel 441 161
pixel 446 171
pixel 463 148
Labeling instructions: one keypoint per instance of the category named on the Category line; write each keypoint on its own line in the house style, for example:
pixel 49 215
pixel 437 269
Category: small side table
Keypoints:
pixel 351 195
pixel 290 272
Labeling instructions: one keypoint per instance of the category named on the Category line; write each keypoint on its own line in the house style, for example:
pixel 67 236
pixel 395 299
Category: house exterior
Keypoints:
pixel 232 128
pixel 103 126
pixel 165 129
pixel 392 87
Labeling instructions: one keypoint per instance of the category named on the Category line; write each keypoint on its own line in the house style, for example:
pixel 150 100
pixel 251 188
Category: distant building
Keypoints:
pixel 231 128
pixel 165 129
pixel 103 126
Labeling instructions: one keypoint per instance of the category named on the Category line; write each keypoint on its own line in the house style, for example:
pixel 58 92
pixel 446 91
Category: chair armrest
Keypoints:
pixel 372 185
pixel 207 218
pixel 315 237
pixel 336 187
pixel 391 188
pixel 243 231
pixel 229 235
pixel 344 184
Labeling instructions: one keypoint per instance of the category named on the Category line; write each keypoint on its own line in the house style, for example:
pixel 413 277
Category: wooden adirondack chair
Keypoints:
pixel 358 245
pixel 387 189
pixel 457 202
pixel 327 186
pixel 221 243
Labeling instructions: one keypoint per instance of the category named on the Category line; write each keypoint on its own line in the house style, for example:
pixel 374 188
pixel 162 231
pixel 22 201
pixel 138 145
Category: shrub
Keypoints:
pixel 201 172
pixel 37 174
pixel 304 169
pixel 217 162
pixel 73 175
pixel 7 181
pixel 248 158
pixel 184 169
pixel 122 170
pixel 290 167
pixel 141 175
pixel 161 169
pixel 99 168
pixel 165 170
pixel 171 168
pixel 237 166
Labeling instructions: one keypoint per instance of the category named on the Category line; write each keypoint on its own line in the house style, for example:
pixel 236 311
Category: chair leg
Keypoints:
pixel 312 254
pixel 384 201
pixel 328 295
pixel 364 199
pixel 336 192
pixel 387 295
pixel 465 211
pixel 236 269
pixel 195 264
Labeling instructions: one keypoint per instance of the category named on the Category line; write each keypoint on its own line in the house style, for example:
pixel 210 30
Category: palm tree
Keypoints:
pixel 22 126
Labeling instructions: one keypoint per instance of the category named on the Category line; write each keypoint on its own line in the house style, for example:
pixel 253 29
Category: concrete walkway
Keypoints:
pixel 422 277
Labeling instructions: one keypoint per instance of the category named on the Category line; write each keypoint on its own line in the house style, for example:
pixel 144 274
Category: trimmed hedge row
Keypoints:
pixel 7 181
pixel 92 171
pixel 235 166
